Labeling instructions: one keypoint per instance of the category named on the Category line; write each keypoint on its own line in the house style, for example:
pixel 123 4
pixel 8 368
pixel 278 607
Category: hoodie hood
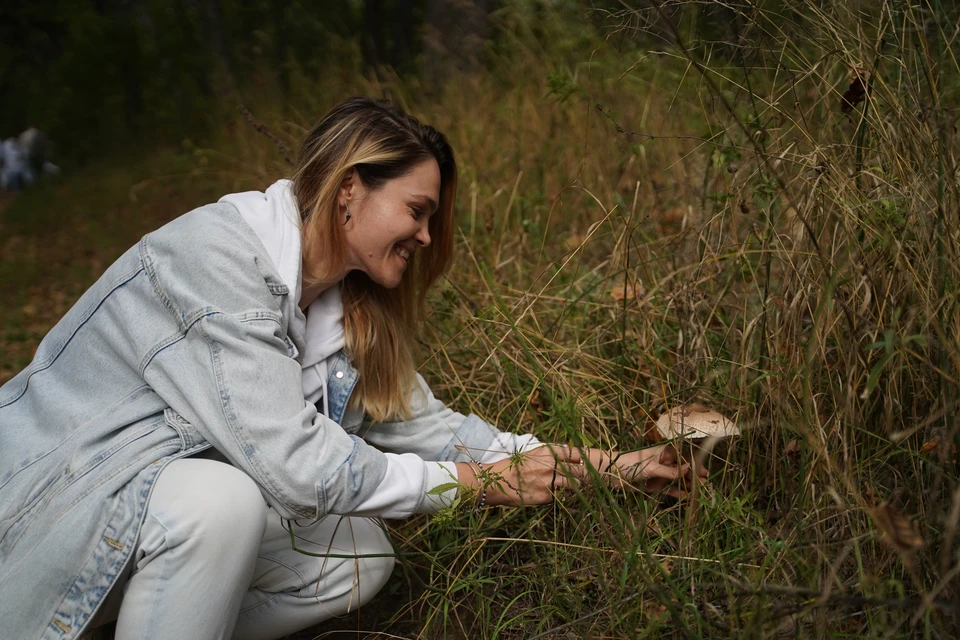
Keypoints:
pixel 275 217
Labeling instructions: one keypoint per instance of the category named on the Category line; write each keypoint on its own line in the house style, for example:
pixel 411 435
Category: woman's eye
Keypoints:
pixel 417 213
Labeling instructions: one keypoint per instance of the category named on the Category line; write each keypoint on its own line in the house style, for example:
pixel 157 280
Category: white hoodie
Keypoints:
pixel 404 490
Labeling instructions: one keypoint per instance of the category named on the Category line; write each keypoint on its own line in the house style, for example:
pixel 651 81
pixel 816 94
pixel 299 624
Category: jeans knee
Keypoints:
pixel 214 504
pixel 235 510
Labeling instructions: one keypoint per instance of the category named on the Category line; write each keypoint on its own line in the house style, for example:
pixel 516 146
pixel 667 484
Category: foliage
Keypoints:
pixel 652 214
pixel 108 76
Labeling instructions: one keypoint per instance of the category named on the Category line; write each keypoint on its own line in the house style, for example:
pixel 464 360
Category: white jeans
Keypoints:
pixel 214 561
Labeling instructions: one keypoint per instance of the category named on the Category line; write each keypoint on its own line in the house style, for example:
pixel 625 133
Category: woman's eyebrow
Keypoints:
pixel 428 201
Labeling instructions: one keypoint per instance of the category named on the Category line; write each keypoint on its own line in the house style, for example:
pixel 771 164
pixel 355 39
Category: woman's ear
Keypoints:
pixel 348 187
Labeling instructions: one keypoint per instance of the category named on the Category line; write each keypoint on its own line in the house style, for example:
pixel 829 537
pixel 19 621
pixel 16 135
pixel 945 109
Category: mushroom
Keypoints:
pixel 703 427
pixel 694 422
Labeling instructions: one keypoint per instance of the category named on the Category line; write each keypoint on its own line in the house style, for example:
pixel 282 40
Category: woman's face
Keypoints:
pixel 387 225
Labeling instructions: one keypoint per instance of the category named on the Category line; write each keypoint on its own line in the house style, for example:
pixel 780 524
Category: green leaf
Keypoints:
pixel 443 488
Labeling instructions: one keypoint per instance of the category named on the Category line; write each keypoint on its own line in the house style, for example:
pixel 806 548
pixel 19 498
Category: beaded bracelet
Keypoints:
pixel 482 486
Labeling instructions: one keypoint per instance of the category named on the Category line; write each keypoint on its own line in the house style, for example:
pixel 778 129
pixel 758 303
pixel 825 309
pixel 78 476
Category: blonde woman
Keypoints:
pixel 244 370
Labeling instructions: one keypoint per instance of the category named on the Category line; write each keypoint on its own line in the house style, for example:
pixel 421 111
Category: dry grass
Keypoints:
pixel 785 261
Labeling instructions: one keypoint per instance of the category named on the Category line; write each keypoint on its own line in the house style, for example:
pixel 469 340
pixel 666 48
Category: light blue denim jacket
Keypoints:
pixel 187 341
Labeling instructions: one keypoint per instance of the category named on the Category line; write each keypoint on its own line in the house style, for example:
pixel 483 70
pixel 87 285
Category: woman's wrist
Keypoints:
pixel 468 476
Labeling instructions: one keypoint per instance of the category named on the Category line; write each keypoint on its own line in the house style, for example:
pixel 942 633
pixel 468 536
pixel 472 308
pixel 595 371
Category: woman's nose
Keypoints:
pixel 423 235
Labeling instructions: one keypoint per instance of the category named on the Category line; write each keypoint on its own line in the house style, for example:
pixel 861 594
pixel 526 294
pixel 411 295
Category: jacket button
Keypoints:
pixel 339 374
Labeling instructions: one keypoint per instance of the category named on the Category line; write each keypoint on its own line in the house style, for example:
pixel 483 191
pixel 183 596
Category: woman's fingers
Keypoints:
pixel 668 455
pixel 570 469
pixel 567 481
pixel 665 472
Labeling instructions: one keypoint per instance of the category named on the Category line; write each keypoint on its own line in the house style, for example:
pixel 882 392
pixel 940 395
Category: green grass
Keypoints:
pixel 798 268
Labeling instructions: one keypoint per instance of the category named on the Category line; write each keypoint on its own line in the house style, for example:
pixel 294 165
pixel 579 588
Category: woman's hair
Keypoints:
pixel 382 143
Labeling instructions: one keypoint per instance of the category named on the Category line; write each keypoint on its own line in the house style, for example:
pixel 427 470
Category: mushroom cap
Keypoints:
pixel 694 421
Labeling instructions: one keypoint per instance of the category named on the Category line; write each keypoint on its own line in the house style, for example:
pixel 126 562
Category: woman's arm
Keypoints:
pixel 536 476
pixel 435 432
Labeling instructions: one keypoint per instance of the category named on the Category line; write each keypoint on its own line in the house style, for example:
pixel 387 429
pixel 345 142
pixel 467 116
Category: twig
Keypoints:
pixel 262 128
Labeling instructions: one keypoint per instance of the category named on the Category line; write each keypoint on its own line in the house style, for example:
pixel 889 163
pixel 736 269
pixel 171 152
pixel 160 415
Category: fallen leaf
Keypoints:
pixel 899 531
pixel 857 91
pixel 792 447
pixel 671 220
pixel 931 444
pixel 849 625
pixel 650 432
pixel 629 292
pixel 535 407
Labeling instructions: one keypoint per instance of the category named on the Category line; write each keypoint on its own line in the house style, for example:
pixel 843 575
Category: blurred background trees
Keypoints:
pixel 102 74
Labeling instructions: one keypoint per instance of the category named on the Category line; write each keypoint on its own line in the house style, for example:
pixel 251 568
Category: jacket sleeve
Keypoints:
pixel 228 369
pixel 436 432
pixel 423 450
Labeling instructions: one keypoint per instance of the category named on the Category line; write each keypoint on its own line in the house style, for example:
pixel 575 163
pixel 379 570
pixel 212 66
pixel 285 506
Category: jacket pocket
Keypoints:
pixel 189 436
pixel 66 479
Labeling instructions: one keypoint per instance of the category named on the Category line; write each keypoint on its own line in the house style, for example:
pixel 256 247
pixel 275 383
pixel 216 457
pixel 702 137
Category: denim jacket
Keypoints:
pixel 185 343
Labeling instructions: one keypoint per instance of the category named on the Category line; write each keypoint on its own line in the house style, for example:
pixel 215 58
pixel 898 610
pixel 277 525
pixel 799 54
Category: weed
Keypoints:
pixel 653 214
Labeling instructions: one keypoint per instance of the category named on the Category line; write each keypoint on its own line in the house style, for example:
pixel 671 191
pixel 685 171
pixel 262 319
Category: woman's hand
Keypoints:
pixel 651 470
pixel 529 478
pixel 535 477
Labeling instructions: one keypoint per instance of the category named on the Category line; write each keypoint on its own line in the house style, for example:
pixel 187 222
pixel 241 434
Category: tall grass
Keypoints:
pixel 656 210
pixel 789 256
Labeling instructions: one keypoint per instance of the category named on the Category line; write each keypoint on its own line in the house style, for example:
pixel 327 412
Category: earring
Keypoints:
pixel 347 219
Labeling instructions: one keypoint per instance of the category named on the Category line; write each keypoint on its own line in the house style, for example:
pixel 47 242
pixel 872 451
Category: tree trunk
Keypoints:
pixel 455 34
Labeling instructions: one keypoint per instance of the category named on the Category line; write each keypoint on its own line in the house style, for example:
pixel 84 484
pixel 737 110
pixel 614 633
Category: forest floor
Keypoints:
pixel 641 226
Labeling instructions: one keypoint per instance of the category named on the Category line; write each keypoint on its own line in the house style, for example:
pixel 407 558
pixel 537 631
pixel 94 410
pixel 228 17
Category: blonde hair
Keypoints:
pixel 381 143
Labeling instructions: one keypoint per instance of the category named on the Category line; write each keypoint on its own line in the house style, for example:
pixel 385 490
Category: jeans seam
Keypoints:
pixel 157 583
pixel 276 594
pixel 293 570
pixel 260 604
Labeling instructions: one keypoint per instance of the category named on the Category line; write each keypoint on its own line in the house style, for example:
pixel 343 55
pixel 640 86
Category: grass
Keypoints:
pixel 784 260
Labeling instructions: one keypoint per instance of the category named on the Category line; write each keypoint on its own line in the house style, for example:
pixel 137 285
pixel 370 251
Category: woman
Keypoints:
pixel 199 399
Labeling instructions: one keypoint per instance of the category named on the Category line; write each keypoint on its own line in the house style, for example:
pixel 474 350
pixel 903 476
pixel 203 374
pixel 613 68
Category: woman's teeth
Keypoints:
pixel 403 252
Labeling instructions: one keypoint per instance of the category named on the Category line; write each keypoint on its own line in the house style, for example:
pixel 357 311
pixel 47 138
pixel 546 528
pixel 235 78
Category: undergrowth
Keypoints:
pixel 762 219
